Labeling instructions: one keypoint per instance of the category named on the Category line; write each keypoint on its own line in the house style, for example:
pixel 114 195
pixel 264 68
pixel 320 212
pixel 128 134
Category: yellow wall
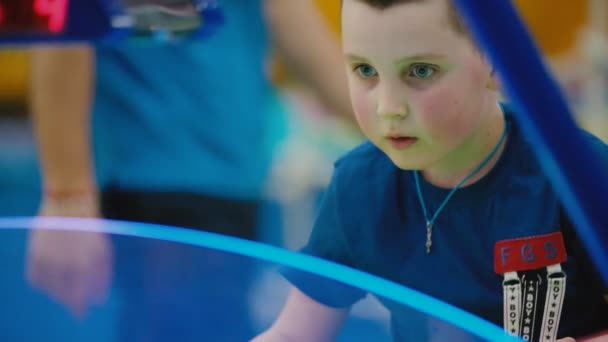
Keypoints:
pixel 13 75
pixel 331 11
pixel 554 23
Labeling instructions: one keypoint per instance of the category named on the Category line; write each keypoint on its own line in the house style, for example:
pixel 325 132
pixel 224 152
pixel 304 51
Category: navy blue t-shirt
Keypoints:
pixel 371 219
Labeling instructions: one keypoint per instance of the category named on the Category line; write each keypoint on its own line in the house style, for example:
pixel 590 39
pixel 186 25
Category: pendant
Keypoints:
pixel 429 236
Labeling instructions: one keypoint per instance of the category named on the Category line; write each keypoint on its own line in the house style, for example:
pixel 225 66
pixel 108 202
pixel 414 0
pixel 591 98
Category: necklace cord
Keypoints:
pixel 483 163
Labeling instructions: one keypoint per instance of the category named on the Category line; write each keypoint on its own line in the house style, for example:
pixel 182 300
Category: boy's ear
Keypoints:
pixel 492 83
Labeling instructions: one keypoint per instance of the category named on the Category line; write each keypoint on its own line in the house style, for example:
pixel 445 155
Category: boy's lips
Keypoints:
pixel 401 142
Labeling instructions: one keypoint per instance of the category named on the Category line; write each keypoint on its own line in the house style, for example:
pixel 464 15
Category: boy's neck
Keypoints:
pixel 450 171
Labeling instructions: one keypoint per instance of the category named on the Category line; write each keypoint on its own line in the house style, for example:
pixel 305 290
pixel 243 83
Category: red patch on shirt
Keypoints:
pixel 530 253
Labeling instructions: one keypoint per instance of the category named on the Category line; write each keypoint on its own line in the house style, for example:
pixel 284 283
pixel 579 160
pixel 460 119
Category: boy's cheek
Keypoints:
pixel 442 113
pixel 437 104
pixel 363 107
pixel 478 72
pixel 450 97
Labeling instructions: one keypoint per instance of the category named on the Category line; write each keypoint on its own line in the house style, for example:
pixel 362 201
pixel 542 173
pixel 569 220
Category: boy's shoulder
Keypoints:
pixel 364 180
pixel 364 157
pixel 364 166
pixel 597 144
pixel 524 149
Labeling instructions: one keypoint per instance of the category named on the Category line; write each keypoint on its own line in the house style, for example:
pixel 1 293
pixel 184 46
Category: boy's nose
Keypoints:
pixel 391 102
pixel 392 109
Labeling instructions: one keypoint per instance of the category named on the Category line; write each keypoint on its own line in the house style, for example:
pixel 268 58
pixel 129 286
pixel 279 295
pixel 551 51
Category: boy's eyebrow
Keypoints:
pixel 419 57
pixel 353 57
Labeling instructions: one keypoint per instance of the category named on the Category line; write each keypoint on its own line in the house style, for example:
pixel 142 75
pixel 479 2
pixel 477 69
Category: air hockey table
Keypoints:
pixel 228 290
pixel 233 289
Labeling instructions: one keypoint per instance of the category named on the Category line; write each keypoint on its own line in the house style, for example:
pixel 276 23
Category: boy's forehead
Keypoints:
pixel 414 28
pixel 406 13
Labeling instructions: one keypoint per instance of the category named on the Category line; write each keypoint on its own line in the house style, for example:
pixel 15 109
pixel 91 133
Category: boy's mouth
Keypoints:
pixel 401 142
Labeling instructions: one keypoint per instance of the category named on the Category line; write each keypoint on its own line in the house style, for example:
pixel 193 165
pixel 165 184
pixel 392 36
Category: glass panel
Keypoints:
pixel 170 284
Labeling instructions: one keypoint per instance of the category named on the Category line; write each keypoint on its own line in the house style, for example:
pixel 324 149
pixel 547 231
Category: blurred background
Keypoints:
pixel 296 120
pixel 304 138
pixel 573 38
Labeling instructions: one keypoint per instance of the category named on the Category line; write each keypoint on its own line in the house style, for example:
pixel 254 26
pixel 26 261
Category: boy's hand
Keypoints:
pixel 74 268
pixel 599 337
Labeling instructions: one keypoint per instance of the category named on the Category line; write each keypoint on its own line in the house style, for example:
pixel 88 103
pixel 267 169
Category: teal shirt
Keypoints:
pixel 186 117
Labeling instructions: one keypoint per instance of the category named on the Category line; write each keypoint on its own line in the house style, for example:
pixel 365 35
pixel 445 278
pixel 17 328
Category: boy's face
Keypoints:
pixel 418 87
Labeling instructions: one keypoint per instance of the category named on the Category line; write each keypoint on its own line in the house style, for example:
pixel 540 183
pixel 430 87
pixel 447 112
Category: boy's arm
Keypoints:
pixel 309 47
pixel 72 267
pixel 305 320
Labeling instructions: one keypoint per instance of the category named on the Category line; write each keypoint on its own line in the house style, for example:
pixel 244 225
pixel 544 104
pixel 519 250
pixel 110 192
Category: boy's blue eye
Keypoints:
pixel 422 71
pixel 366 70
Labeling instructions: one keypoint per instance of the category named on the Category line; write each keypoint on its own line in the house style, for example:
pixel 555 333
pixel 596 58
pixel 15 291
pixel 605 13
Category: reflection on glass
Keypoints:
pixel 107 21
pixel 174 16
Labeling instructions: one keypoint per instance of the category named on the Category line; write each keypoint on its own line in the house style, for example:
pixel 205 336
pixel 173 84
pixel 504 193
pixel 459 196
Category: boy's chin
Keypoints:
pixel 406 164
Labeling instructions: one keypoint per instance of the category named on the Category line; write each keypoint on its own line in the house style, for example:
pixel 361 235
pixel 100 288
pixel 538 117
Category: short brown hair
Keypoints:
pixel 453 15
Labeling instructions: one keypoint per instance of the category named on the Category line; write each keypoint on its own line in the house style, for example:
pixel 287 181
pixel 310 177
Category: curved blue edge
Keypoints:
pixel 574 169
pixel 378 286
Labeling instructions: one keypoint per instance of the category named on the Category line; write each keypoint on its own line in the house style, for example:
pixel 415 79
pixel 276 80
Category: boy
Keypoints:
pixel 448 191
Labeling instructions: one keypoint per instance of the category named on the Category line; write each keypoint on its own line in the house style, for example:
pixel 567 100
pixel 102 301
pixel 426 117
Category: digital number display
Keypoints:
pixel 33 16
